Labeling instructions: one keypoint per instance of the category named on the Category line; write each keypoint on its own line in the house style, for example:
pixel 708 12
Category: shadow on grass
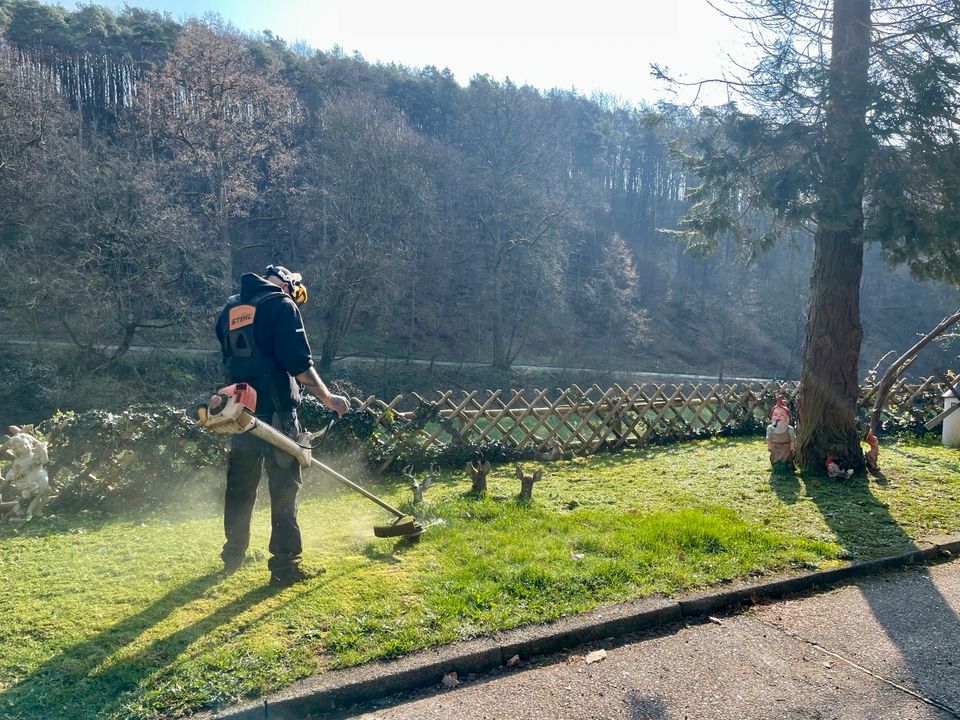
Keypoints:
pixel 914 617
pixel 861 522
pixel 372 551
pixel 55 524
pixel 65 522
pixel 75 684
pixel 786 486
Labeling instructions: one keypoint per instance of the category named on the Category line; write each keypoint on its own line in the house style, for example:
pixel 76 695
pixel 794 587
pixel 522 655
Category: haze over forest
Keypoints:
pixel 147 163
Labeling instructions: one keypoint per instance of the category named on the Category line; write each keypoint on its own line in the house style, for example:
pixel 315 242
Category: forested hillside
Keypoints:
pixel 145 164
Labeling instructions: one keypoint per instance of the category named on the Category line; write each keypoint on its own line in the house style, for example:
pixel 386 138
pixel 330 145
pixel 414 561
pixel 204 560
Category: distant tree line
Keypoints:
pixel 145 164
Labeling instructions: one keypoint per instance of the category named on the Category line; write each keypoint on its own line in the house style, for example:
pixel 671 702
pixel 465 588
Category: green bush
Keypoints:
pixel 146 457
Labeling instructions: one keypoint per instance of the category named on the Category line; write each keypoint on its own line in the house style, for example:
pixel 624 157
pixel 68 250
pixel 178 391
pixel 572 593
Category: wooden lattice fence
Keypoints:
pixel 585 420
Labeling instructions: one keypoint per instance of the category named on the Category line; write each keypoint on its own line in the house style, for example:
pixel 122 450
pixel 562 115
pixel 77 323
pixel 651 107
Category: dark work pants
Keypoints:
pixel 248 456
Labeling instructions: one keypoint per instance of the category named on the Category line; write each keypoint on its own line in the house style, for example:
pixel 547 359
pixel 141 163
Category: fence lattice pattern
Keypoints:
pixel 584 420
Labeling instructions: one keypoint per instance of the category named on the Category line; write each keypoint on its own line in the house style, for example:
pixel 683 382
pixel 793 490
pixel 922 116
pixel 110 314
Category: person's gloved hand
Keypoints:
pixel 340 404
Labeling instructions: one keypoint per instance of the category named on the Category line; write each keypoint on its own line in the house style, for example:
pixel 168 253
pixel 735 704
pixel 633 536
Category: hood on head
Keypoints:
pixel 252 285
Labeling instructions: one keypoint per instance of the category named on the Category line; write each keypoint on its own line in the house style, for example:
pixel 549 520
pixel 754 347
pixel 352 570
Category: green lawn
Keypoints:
pixel 129 618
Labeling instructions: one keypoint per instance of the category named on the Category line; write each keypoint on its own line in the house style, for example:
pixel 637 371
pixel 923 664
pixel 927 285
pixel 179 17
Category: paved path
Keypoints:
pixel 887 646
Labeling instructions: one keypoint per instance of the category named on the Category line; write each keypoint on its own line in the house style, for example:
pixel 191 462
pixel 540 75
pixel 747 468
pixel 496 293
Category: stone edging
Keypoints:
pixel 342 688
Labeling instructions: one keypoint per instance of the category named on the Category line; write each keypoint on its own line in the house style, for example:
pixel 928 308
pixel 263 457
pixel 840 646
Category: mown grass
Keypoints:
pixel 129 617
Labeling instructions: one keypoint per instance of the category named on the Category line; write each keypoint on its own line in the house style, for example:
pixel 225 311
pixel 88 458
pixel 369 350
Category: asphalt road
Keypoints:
pixel 885 647
pixel 631 375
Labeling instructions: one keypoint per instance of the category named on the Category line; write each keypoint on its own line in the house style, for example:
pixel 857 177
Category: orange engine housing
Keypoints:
pixel 243 393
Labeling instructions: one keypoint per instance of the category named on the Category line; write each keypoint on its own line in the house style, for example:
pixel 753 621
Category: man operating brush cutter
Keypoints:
pixel 231 411
pixel 267 358
pixel 265 345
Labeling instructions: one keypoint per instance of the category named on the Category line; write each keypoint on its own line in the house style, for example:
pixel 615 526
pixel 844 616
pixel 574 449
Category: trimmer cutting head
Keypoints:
pixel 406 526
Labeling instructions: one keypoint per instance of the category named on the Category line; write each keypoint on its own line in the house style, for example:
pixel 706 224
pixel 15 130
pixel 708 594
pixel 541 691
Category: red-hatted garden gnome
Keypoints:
pixel 781 438
pixel 835 471
pixel 873 454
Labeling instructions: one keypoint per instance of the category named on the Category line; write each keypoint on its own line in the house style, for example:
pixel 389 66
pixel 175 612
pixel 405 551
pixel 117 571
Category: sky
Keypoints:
pixel 591 46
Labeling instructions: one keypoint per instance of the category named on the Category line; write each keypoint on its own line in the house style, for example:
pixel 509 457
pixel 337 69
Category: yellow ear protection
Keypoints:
pixel 298 291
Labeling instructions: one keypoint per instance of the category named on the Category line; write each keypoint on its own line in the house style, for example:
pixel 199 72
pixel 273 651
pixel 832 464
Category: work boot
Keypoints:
pixel 232 563
pixel 292 576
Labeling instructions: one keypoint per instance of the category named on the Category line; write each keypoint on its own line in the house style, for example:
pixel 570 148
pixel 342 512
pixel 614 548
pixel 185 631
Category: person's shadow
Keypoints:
pixel 851 510
pixel 76 684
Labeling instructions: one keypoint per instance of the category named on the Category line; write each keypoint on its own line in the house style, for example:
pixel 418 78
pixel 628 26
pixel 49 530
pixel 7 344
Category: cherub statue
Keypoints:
pixel 27 474
pixel 781 437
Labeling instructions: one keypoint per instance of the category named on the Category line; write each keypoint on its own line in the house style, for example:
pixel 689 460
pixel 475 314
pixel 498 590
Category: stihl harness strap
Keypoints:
pixel 244 360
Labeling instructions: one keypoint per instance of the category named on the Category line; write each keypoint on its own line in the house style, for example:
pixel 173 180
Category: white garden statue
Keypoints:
pixel 27 474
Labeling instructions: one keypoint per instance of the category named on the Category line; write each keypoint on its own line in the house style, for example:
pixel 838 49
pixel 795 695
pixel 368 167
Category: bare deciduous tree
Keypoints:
pixel 114 259
pixel 512 142
pixel 361 213
pixel 227 125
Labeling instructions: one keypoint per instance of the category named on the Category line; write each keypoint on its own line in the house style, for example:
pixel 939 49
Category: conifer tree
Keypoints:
pixel 850 130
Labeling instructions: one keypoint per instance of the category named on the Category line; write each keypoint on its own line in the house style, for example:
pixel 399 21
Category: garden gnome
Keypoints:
pixel 27 474
pixel 781 437
pixel 873 454
pixel 834 470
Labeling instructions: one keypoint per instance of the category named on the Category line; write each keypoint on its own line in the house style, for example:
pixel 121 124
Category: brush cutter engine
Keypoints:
pixel 230 412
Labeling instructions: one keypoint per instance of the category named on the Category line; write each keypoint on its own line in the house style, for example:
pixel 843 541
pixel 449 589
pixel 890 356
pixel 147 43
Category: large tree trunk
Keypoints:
pixel 829 379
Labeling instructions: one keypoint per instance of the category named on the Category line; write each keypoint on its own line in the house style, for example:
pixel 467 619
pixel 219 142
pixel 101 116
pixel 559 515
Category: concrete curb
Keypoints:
pixel 340 689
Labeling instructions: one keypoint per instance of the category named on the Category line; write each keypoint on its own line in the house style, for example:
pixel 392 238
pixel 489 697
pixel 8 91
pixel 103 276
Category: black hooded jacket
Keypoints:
pixel 265 314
